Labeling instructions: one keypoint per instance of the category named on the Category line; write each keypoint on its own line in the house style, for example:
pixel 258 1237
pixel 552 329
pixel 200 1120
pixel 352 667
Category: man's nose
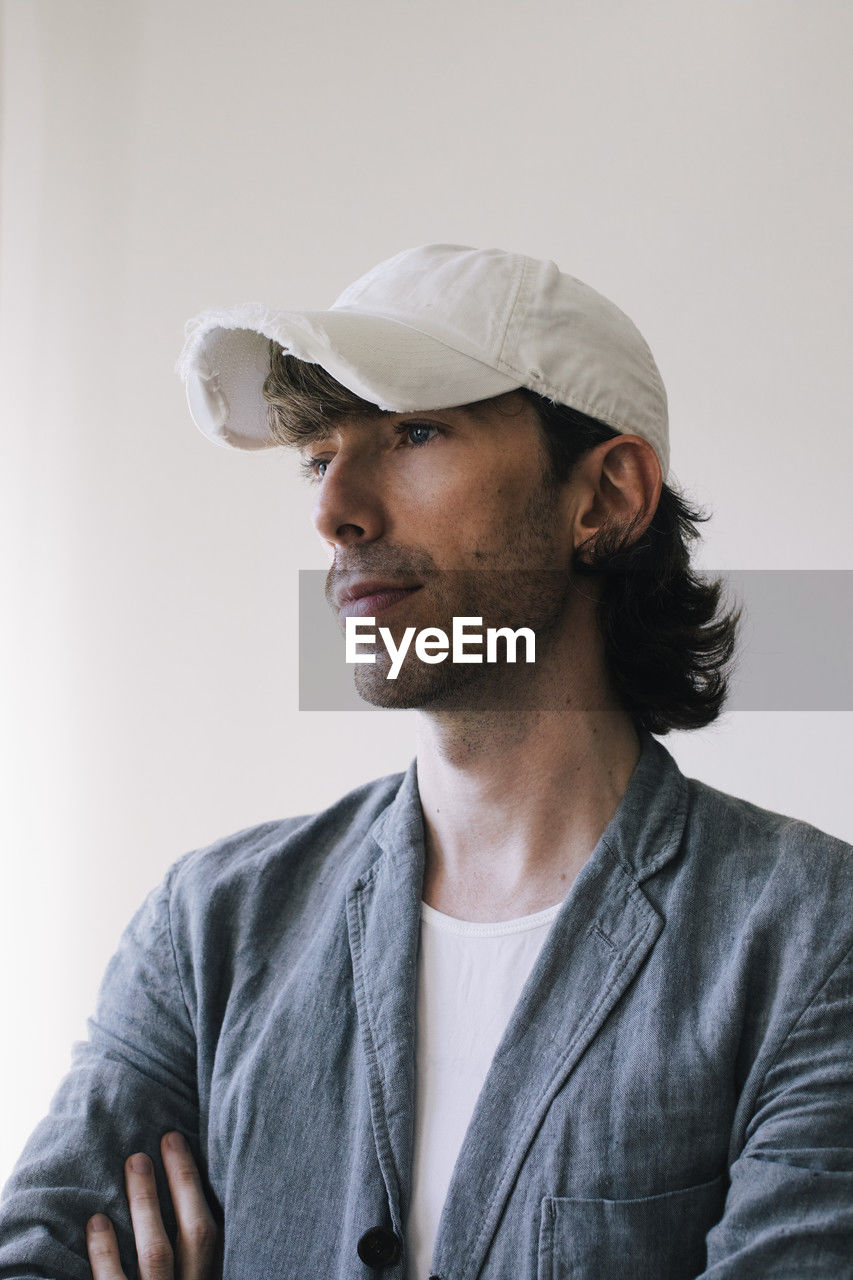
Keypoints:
pixel 348 508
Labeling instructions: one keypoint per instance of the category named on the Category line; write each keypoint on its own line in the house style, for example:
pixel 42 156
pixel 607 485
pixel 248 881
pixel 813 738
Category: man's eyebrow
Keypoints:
pixel 312 438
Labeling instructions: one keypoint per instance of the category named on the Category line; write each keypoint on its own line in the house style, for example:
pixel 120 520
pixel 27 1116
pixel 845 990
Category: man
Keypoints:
pixel 541 1006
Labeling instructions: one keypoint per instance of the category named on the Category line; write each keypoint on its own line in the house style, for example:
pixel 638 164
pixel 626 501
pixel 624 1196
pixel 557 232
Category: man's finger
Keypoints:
pixel 102 1246
pixel 197 1232
pixel 153 1250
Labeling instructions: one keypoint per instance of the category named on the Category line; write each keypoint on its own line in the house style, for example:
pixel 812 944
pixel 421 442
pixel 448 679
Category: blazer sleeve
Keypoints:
pixel 789 1208
pixel 133 1079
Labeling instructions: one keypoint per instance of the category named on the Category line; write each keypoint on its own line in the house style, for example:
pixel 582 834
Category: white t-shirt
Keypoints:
pixel 470 976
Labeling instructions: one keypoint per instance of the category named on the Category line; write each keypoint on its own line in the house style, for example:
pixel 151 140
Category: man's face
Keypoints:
pixel 442 514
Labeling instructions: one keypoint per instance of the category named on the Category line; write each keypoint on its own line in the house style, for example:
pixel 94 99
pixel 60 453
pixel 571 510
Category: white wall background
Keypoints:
pixel 690 160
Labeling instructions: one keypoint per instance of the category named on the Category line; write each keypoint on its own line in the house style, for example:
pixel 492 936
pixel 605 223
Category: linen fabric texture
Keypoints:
pixel 671 1097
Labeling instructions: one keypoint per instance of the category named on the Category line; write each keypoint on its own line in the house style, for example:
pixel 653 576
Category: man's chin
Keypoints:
pixel 440 689
pixel 403 693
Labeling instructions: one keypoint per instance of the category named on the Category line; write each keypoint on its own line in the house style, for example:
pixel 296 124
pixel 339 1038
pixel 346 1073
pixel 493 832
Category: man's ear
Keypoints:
pixel 616 484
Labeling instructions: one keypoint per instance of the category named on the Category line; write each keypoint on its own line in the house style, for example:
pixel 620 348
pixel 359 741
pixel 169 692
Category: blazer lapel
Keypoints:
pixel 383 921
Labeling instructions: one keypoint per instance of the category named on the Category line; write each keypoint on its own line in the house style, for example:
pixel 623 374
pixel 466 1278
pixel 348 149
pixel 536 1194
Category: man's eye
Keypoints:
pixel 313 468
pixel 418 432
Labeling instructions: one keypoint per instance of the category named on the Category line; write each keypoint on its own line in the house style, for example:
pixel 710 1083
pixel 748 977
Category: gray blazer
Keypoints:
pixel 671 1098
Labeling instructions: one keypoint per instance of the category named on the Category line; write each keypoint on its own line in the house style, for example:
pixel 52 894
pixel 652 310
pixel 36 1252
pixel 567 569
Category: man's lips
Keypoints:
pixel 366 599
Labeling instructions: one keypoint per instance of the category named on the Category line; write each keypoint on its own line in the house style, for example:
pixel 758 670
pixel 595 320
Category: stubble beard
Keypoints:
pixel 523 595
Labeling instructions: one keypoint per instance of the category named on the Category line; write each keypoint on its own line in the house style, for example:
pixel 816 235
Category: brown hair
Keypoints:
pixel 668 645
pixel 303 400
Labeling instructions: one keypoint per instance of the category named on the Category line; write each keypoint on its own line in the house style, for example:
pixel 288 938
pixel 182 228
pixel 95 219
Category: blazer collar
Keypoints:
pixel 647 827
pixel 644 832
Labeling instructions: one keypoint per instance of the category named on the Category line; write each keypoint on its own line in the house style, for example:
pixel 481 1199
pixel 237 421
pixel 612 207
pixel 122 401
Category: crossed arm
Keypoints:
pixel 789 1209
pixel 198 1252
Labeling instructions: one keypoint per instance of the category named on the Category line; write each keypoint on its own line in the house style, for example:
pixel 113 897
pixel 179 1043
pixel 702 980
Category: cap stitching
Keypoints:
pixel 575 402
pixel 510 311
pixel 656 439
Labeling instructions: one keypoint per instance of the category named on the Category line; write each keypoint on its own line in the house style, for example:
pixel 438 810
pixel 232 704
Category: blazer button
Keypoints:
pixel 380 1247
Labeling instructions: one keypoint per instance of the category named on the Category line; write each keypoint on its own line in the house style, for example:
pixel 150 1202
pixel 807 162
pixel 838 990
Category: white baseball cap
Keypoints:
pixel 431 328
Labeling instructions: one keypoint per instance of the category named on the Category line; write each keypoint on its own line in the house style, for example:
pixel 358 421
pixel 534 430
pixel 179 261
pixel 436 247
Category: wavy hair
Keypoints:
pixel 668 643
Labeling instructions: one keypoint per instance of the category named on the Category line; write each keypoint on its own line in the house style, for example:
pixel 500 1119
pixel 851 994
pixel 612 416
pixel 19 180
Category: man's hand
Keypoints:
pixel 198 1257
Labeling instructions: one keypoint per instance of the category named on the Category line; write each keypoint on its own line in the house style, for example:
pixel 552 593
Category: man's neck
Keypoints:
pixel 515 804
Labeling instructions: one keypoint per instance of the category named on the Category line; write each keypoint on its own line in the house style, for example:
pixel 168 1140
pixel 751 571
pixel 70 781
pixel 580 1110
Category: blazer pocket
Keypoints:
pixel 653 1238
